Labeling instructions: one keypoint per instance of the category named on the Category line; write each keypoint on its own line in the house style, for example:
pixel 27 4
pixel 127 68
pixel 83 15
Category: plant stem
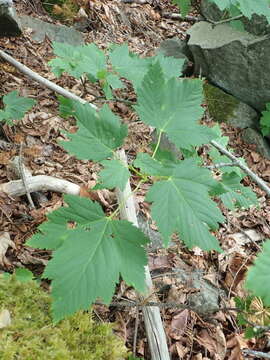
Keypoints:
pixel 215 23
pixel 157 145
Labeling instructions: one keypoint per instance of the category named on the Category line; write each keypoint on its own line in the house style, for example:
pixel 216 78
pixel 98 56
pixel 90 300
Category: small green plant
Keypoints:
pixel 89 257
pixel 107 69
pixel 265 121
pixel 15 107
pixel 253 316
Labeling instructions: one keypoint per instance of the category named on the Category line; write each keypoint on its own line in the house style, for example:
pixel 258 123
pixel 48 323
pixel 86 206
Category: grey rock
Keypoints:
pixel 9 22
pixel 206 300
pixel 59 33
pixel 223 107
pixel 235 61
pixel 252 136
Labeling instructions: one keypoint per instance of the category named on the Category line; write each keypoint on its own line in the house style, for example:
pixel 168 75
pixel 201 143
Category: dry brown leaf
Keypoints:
pixel 179 324
pixel 214 341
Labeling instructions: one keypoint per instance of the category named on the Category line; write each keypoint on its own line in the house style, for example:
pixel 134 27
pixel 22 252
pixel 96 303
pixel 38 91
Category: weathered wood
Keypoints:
pixel 152 319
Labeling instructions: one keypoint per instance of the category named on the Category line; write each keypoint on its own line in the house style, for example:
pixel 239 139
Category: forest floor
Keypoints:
pixel 190 336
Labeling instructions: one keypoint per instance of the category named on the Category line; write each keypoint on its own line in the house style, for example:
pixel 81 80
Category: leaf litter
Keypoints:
pixel 143 27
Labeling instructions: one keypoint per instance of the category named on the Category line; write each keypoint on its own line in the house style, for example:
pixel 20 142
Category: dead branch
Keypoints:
pixel 39 183
pixel 40 79
pixel 152 319
pixel 247 170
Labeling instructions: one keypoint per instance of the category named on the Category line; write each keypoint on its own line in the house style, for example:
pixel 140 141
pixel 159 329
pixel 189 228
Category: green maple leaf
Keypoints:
pixel 258 275
pixel 15 107
pixel 134 68
pixel 171 67
pixel 128 65
pixel 99 134
pixel 91 257
pixel 247 7
pixel 235 194
pixel 115 174
pixel 78 60
pixel 250 7
pixel 23 275
pixel 265 121
pixel 54 231
pixel 155 167
pixel 173 107
pixel 181 202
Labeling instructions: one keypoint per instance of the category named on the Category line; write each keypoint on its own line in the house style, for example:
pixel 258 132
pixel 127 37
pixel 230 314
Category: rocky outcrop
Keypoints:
pixel 9 23
pixel 58 33
pixel 235 61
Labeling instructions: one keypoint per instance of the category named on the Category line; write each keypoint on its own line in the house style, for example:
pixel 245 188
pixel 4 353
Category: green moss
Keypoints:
pixel 221 106
pixel 32 335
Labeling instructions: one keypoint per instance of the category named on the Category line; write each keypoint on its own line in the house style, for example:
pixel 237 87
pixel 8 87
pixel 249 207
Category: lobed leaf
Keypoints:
pixel 92 256
pixel 181 204
pixel 115 174
pixel 15 107
pixel 236 195
pixel 99 134
pixel 134 68
pixel 173 107
pixel 258 275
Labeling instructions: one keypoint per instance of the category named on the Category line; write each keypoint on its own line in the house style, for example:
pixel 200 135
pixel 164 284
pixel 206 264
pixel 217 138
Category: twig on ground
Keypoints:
pixel 219 165
pixel 250 173
pixel 257 354
pixel 39 183
pixel 215 23
pixel 23 177
pixel 188 18
pixel 135 332
pixel 47 83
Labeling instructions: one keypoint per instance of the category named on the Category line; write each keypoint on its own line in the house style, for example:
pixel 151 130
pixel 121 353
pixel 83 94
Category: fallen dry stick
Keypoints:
pixel 39 183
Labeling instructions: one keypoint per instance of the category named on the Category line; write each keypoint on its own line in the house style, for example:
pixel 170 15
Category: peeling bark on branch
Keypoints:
pixel 39 183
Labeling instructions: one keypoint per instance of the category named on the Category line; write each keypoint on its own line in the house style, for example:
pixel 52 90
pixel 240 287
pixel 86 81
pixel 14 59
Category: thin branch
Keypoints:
pixel 250 173
pixel 39 183
pixel 23 177
pixel 188 18
pixel 135 332
pixel 215 23
pixel 40 79
pixel 219 165
pixel 257 354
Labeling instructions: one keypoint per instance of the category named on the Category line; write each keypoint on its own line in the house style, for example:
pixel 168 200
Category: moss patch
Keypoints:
pixel 221 106
pixel 32 335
